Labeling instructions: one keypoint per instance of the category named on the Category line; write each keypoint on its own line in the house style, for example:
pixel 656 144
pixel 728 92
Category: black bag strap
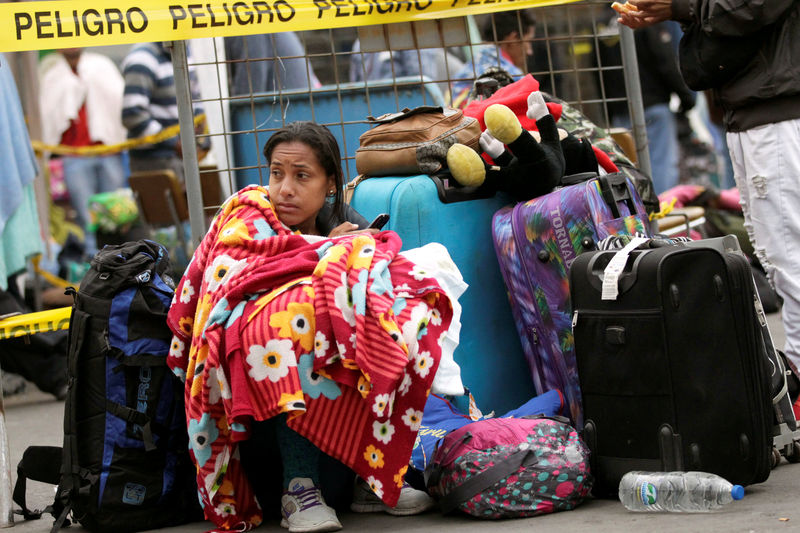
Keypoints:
pixel 486 479
pixel 135 417
pixel 38 463
pixel 70 481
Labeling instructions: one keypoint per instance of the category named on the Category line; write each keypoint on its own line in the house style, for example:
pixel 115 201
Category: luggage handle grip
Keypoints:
pixel 614 189
pixel 597 266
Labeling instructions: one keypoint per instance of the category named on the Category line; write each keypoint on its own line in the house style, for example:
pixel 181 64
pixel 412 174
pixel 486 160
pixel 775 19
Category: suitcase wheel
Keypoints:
pixel 775 458
pixel 793 452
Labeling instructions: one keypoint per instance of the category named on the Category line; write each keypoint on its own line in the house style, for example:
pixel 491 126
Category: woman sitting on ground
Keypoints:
pixel 291 311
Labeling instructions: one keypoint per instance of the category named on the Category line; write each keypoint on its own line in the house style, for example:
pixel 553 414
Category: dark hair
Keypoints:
pixel 498 26
pixel 323 143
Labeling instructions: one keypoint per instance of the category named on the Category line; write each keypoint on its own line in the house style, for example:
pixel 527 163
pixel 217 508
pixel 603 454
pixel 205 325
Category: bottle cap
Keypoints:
pixel 737 492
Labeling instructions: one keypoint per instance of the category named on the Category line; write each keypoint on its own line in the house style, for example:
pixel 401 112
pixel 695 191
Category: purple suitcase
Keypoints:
pixel 536 242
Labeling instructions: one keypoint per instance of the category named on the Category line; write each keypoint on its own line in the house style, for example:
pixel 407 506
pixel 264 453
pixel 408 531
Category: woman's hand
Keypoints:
pixel 348 228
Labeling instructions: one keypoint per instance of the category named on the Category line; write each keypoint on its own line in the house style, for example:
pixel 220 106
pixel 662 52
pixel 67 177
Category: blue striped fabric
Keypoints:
pixel 149 104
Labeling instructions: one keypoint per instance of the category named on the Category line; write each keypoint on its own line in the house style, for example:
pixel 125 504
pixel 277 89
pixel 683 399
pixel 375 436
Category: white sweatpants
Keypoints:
pixel 766 165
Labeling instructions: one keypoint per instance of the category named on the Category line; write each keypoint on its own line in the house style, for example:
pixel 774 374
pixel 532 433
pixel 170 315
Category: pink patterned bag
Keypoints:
pixel 510 467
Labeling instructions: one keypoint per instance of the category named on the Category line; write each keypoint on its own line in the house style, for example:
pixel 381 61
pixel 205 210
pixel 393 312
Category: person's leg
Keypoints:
pixel 110 173
pixel 766 163
pixel 662 139
pixel 299 457
pixel 101 174
pixel 303 508
pixel 79 179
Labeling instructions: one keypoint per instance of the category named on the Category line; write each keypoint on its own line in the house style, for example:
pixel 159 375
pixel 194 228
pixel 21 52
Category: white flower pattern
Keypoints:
pixel 187 291
pixel 382 431
pixel 380 404
pixel 418 273
pixel 412 418
pixel 321 345
pixel 376 486
pixel 422 363
pixel 221 270
pixel 411 329
pixel 405 385
pixel 271 361
pixel 343 296
pixel 176 347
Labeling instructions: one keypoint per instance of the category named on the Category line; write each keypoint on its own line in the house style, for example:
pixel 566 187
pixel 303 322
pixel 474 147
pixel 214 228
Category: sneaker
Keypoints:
pixel 304 510
pixel 411 501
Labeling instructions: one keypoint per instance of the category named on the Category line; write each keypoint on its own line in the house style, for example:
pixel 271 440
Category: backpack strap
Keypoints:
pixel 135 417
pixel 38 463
pixel 486 479
pixel 126 413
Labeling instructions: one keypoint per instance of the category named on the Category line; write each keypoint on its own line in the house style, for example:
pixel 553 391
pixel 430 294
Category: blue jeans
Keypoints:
pixel 662 142
pixel 86 176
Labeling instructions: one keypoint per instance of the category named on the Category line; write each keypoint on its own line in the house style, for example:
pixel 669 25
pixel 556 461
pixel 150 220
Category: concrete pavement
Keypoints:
pixel 36 418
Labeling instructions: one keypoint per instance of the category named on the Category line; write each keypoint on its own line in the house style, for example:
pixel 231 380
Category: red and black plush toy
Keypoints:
pixel 525 164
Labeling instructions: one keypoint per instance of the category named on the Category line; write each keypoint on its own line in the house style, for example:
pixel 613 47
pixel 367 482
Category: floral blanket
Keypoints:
pixel 342 334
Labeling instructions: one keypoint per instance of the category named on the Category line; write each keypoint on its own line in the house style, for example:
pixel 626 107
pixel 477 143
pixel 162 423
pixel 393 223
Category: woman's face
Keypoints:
pixel 298 185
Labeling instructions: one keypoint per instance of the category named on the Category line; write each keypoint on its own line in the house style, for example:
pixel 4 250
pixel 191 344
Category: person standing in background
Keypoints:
pixel 81 105
pixel 508 36
pixel 761 104
pixel 268 63
pixel 660 78
pixel 150 105
pixel 437 64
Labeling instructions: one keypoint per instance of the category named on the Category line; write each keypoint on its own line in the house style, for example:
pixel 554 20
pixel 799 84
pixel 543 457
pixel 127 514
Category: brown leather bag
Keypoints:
pixel 414 141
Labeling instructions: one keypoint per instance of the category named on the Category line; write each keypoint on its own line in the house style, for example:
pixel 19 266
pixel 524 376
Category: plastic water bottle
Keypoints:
pixel 689 492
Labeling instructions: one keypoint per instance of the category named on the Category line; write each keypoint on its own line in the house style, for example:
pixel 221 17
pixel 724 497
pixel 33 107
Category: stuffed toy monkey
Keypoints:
pixel 533 162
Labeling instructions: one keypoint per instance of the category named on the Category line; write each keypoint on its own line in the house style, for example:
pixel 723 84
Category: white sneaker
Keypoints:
pixel 411 501
pixel 304 510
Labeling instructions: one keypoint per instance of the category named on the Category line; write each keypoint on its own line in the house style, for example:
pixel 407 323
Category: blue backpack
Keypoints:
pixel 124 465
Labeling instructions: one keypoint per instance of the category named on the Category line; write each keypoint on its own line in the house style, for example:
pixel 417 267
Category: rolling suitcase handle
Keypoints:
pixel 614 188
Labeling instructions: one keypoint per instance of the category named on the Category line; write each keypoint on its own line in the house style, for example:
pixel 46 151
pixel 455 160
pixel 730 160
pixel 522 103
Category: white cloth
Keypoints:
pixel 766 165
pixel 435 260
pixel 98 83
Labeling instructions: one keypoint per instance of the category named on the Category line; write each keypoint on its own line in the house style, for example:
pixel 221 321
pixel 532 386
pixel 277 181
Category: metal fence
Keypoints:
pixel 252 86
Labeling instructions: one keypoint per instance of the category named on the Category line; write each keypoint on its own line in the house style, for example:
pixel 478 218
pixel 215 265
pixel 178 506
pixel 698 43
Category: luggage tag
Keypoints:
pixel 615 268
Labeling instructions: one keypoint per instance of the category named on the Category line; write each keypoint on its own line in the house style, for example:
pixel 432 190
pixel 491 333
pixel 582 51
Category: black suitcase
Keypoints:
pixel 673 369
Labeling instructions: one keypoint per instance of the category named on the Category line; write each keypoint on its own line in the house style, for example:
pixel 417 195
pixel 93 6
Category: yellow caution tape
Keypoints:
pixel 103 149
pixel 666 209
pixel 50 278
pixel 32 323
pixel 51 24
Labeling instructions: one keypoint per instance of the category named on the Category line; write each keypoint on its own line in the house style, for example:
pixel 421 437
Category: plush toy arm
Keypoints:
pixel 496 150
pixel 536 167
pixel 504 125
pixel 490 145
pixel 537 108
